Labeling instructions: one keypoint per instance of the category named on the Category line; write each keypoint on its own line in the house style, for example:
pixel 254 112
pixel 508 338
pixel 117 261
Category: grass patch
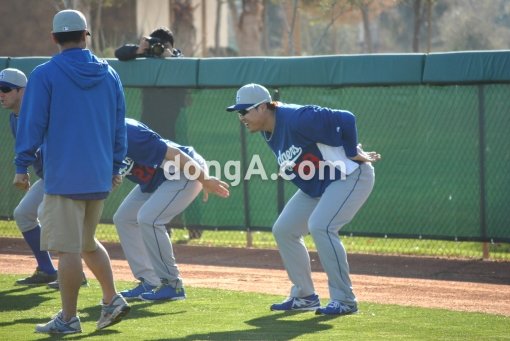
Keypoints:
pixel 261 239
pixel 209 314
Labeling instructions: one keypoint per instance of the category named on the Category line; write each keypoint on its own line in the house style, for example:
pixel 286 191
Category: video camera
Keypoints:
pixel 156 47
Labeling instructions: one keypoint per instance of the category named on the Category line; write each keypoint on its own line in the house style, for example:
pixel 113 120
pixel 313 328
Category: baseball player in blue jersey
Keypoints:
pixel 163 190
pixel 317 149
pixel 12 88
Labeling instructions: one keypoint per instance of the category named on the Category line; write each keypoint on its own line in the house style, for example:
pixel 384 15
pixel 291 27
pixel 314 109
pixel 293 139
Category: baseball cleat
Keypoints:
pixel 311 302
pixel 164 292
pixel 56 286
pixel 135 293
pixel 38 278
pixel 337 308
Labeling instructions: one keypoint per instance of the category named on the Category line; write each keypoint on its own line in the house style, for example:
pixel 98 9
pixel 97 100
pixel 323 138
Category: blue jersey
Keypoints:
pixel 145 155
pixel 318 136
pixel 38 162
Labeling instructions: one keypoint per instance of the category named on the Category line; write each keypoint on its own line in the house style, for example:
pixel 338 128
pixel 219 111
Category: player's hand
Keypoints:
pixel 364 156
pixel 215 186
pixel 116 181
pixel 22 181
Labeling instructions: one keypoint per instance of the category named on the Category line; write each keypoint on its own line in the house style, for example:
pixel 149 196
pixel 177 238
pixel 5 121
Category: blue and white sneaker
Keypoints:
pixel 165 292
pixel 311 302
pixel 58 326
pixel 113 312
pixel 335 307
pixel 142 287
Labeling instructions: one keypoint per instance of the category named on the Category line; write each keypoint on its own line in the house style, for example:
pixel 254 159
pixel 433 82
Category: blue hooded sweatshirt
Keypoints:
pixel 74 108
pixel 38 162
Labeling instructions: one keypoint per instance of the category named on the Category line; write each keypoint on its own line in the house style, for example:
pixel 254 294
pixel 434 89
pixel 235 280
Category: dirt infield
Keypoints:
pixel 425 282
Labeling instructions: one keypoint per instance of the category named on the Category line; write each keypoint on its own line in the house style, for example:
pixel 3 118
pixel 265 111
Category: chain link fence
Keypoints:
pixel 441 187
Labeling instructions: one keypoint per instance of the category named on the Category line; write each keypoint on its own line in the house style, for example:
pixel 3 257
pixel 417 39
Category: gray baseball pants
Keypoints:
pixel 322 217
pixel 25 214
pixel 140 221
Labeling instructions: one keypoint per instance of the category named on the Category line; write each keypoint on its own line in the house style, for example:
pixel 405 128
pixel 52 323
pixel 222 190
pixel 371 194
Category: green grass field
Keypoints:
pixel 384 246
pixel 209 314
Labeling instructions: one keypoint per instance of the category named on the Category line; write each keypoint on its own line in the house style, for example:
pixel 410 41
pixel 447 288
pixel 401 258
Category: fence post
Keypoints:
pixel 246 193
pixel 481 152
pixel 280 195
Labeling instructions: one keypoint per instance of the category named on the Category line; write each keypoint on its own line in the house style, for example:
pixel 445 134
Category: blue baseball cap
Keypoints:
pixel 249 95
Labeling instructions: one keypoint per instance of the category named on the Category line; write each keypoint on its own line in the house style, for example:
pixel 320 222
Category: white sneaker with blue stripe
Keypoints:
pixel 57 325
pixel 113 312
pixel 335 307
pixel 311 302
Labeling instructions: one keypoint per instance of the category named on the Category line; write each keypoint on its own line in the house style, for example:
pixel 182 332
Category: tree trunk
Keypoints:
pixel 368 46
pixel 292 13
pixel 217 27
pixel 185 32
pixel 417 25
pixel 429 24
pixel 98 42
pixel 248 26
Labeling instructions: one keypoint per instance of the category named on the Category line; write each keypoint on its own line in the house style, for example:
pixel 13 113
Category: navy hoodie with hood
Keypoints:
pixel 74 108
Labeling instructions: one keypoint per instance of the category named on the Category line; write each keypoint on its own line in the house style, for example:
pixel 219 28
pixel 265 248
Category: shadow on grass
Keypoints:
pixel 12 300
pixel 270 327
pixel 22 298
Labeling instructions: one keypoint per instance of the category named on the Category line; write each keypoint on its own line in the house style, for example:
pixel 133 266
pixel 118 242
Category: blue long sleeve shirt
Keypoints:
pixel 74 108
pixel 306 138
pixel 145 155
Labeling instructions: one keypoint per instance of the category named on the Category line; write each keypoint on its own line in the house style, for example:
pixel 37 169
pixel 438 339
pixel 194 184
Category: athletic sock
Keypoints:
pixel 33 239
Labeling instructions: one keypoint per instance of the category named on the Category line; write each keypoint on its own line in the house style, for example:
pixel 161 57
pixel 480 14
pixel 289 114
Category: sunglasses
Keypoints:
pixel 243 112
pixel 6 89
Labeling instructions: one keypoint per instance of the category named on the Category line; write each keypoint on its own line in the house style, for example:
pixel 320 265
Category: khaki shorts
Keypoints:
pixel 69 225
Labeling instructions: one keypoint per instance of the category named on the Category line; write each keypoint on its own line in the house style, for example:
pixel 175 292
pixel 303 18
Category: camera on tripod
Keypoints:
pixel 156 47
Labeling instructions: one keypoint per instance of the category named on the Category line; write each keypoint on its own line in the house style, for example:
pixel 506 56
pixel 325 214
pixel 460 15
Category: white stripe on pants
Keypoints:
pixel 323 217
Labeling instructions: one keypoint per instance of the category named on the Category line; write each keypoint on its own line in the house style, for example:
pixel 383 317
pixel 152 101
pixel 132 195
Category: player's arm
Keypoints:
pixel 364 156
pixel 209 184
pixel 327 126
pixel 132 51
pixel 120 141
pixel 32 126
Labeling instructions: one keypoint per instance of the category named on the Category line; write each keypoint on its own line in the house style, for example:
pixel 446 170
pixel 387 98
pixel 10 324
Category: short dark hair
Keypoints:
pixel 164 34
pixel 66 37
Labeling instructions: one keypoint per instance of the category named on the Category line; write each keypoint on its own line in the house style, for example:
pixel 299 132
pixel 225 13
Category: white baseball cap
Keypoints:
pixel 249 95
pixel 69 20
pixel 13 78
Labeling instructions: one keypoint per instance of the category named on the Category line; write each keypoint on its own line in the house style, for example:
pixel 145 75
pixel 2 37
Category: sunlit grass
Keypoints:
pixel 259 239
pixel 210 314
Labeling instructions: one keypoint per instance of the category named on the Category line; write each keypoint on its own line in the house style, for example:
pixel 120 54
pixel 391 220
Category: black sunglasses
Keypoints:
pixel 5 89
pixel 243 112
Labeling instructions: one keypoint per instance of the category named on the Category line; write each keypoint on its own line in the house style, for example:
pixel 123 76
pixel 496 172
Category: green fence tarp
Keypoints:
pixel 440 121
pixel 312 71
pixel 467 67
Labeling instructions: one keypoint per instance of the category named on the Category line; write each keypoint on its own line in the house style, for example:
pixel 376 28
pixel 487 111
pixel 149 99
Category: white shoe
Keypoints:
pixel 58 326
pixel 114 312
